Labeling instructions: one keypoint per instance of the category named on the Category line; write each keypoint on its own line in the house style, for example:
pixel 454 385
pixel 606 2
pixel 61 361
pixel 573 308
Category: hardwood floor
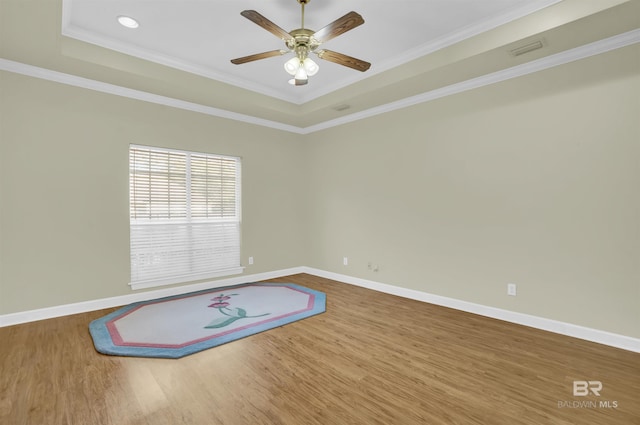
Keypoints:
pixel 371 358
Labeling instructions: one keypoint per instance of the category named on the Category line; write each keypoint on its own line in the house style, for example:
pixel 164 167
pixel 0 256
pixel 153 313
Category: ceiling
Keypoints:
pixel 182 49
pixel 202 36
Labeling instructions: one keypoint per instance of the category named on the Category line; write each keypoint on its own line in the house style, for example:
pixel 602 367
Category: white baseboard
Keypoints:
pixel 82 307
pixel 568 329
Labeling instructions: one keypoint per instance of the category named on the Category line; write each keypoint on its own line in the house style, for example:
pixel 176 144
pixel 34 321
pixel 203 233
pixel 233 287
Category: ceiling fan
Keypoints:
pixel 303 41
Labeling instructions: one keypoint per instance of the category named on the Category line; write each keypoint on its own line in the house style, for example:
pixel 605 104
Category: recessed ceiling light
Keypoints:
pixel 127 21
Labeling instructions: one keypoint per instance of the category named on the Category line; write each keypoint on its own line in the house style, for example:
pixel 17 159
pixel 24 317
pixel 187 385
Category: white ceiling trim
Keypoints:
pixel 464 33
pixel 89 37
pixel 438 44
pixel 86 36
pixel 582 52
pixel 86 83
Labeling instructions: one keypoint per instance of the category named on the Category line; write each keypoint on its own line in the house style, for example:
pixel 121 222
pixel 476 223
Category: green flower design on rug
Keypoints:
pixel 230 315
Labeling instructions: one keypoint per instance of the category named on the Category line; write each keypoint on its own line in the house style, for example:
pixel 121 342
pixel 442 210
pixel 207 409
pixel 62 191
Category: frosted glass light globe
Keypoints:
pixel 311 67
pixel 292 66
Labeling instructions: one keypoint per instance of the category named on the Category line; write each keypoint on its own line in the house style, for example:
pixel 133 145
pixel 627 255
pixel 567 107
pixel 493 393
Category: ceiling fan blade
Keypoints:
pixel 257 18
pixel 344 60
pixel 258 56
pixel 339 26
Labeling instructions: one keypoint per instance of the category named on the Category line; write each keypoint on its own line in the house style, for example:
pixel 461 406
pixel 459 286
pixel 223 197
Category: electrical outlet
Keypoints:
pixel 511 289
pixel 250 260
pixel 345 261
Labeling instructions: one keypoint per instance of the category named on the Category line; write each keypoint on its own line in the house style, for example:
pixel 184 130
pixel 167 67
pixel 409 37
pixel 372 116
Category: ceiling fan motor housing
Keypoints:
pixel 302 42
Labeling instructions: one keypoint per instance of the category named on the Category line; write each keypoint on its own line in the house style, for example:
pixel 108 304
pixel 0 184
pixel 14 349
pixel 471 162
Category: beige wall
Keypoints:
pixel 532 181
pixel 64 188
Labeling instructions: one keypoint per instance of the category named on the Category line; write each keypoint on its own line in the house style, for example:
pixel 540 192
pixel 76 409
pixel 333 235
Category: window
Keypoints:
pixel 184 216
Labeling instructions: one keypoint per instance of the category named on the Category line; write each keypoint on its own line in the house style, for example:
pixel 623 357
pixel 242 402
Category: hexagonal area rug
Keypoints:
pixel 180 325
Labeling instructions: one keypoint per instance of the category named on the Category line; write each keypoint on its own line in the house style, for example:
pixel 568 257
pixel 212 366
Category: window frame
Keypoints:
pixel 187 222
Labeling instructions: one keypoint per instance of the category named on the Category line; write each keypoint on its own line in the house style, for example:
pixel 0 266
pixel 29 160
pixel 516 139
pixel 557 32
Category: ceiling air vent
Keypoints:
pixel 530 47
pixel 339 108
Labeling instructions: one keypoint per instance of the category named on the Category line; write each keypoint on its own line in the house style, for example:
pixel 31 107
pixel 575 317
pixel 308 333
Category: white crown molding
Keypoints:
pixel 582 52
pixel 68 30
pixel 73 80
pixel 83 307
pixel 555 326
pixel 435 45
pixel 192 68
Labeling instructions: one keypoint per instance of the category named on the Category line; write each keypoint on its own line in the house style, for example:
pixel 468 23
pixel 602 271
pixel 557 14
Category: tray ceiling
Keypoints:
pixel 420 50
pixel 201 36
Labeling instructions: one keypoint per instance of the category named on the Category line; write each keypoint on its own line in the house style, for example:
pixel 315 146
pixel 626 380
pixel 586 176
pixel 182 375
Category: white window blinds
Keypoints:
pixel 184 216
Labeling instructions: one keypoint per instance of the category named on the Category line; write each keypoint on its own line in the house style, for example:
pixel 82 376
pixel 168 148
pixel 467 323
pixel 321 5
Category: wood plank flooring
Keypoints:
pixel 371 358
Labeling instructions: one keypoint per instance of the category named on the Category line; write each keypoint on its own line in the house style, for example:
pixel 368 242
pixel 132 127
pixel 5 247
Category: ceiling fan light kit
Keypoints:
pixel 302 42
pixel 301 70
